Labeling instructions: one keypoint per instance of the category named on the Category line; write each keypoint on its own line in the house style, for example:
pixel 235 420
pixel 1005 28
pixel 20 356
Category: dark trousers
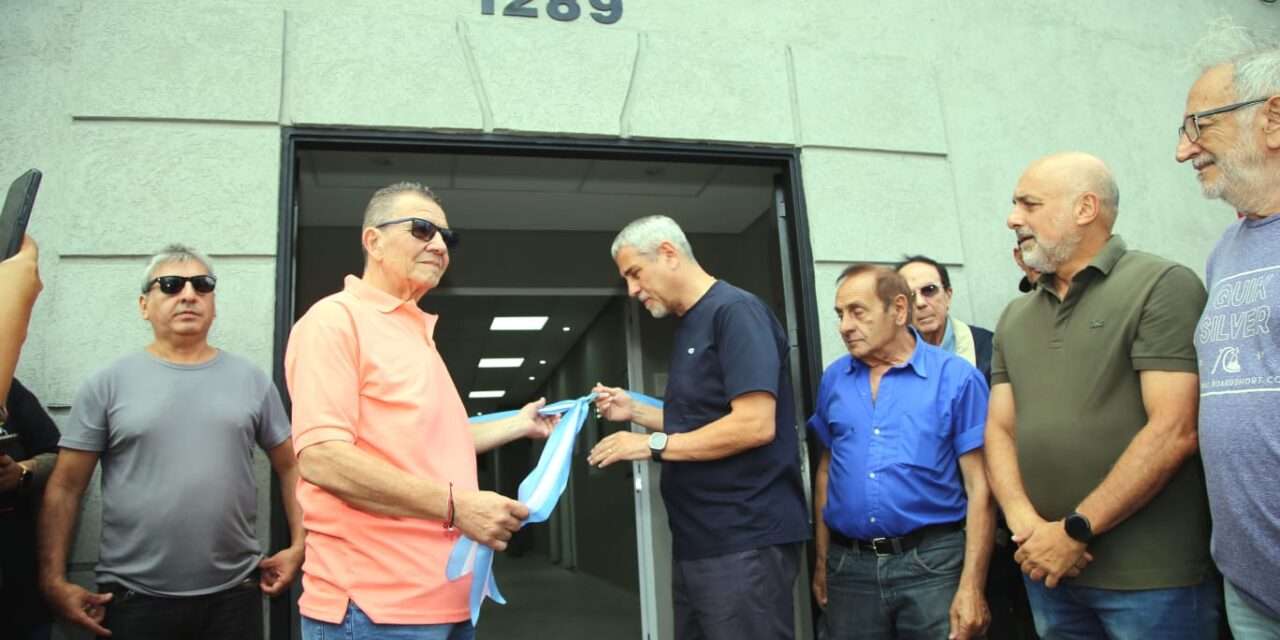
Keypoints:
pixel 737 596
pixel 233 614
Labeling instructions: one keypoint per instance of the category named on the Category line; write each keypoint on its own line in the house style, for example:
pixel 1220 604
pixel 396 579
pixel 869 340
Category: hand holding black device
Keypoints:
pixel 17 212
pixel 11 445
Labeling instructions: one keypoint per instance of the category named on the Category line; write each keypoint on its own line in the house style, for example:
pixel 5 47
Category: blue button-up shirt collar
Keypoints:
pixel 894 460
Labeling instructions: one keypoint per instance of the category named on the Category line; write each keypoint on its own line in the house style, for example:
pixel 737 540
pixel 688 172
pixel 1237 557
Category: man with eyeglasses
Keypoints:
pixel 905 520
pixel 931 313
pixel 1231 136
pixel 174 426
pixel 387 457
pixel 1091 429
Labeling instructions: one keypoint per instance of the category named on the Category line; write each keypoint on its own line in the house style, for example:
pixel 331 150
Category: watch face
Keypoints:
pixel 658 441
pixel 1078 527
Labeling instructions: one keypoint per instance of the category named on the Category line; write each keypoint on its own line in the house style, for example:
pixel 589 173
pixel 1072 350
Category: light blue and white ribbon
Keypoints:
pixel 539 491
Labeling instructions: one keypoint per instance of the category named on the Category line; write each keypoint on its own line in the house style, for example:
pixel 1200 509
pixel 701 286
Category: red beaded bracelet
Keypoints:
pixel 448 525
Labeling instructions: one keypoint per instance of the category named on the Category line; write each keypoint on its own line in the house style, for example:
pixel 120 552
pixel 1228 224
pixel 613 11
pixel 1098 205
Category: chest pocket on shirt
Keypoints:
pixel 697 380
pixel 925 437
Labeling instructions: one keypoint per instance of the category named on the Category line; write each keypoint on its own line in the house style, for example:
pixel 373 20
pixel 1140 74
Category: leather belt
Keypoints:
pixel 901 544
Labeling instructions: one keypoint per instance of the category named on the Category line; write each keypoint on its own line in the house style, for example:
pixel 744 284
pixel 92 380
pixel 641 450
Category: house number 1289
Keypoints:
pixel 606 11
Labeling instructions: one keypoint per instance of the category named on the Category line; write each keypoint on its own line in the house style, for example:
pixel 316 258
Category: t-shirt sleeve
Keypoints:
pixel 1166 329
pixel 86 428
pixel 747 350
pixel 969 412
pixel 999 374
pixel 273 422
pixel 30 421
pixel 321 369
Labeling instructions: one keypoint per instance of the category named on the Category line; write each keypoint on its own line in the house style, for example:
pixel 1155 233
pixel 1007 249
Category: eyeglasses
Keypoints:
pixel 1191 124
pixel 171 285
pixel 928 291
pixel 425 230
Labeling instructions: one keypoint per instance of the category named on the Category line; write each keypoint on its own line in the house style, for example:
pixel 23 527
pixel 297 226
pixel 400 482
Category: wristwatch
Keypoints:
pixel 1078 527
pixel 657 444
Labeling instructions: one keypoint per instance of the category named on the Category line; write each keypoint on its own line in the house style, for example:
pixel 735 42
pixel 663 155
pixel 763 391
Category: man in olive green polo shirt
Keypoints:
pixel 1091 431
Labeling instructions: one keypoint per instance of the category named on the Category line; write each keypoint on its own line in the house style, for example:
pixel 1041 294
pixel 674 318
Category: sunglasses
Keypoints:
pixel 929 290
pixel 171 285
pixel 425 230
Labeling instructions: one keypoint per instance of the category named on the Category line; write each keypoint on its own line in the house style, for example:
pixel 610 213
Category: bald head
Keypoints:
pixel 1079 174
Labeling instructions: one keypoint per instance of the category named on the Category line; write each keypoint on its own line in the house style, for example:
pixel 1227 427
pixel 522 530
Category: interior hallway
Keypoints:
pixel 546 601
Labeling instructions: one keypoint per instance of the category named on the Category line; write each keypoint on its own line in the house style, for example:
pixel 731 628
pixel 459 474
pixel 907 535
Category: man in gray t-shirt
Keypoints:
pixel 1231 136
pixel 175 426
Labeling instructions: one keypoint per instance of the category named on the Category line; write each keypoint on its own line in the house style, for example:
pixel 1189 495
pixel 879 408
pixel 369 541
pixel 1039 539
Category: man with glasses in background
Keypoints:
pixel 930 314
pixel 174 426
pixel 1231 136
pixel 387 457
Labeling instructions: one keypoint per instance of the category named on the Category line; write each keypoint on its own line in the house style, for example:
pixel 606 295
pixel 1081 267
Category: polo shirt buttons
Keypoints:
pixel 876 431
pixel 873 518
pixel 872 475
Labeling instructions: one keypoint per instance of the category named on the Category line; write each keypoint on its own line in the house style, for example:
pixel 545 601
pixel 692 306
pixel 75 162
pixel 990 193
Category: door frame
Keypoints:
pixel 283 624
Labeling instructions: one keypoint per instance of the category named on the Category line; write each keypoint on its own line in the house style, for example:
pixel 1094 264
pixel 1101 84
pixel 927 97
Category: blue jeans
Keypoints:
pixel 357 626
pixel 1070 612
pixel 1247 623
pixel 907 595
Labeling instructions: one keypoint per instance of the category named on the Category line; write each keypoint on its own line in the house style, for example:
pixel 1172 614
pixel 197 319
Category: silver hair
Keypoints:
pixel 645 234
pixel 174 253
pixel 381 204
pixel 1254 57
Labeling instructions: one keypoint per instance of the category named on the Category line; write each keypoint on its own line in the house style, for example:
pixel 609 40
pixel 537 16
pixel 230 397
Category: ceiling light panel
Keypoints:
pixel 500 363
pixel 493 393
pixel 518 323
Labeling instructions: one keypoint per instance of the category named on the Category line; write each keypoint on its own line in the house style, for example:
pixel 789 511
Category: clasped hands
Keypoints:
pixel 1045 552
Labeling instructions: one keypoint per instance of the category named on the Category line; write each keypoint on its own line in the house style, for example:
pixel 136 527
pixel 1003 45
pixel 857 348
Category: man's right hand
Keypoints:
pixel 79 605
pixel 613 403
pixel 487 517
pixel 820 582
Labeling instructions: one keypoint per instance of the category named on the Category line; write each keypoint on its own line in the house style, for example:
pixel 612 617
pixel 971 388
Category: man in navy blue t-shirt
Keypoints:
pixel 725 437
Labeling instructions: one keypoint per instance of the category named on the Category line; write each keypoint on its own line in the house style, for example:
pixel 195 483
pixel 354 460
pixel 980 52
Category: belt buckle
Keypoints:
pixel 875 547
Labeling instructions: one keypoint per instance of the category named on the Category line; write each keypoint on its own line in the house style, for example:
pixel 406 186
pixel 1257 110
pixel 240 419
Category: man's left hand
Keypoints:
pixel 970 614
pixel 278 571
pixel 1048 553
pixel 537 425
pixel 619 447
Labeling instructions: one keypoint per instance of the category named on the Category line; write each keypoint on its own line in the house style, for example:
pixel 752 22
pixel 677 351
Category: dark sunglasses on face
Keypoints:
pixel 929 290
pixel 171 285
pixel 425 230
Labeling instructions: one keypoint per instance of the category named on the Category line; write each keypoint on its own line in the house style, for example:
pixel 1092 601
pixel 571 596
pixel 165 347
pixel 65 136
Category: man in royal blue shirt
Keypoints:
pixel 725 437
pixel 904 514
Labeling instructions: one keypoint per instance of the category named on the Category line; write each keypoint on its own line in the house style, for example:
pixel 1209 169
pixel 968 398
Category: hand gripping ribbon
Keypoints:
pixel 539 491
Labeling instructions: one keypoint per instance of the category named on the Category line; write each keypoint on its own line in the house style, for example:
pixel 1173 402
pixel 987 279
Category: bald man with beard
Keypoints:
pixel 1091 431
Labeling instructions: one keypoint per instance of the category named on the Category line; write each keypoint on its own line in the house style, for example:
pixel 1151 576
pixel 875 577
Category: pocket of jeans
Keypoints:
pixel 837 558
pixel 940 559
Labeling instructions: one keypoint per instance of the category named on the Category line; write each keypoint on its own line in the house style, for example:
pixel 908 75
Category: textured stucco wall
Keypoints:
pixel 158 121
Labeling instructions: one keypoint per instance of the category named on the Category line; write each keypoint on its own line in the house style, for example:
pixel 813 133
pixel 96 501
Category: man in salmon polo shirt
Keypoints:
pixel 387 459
